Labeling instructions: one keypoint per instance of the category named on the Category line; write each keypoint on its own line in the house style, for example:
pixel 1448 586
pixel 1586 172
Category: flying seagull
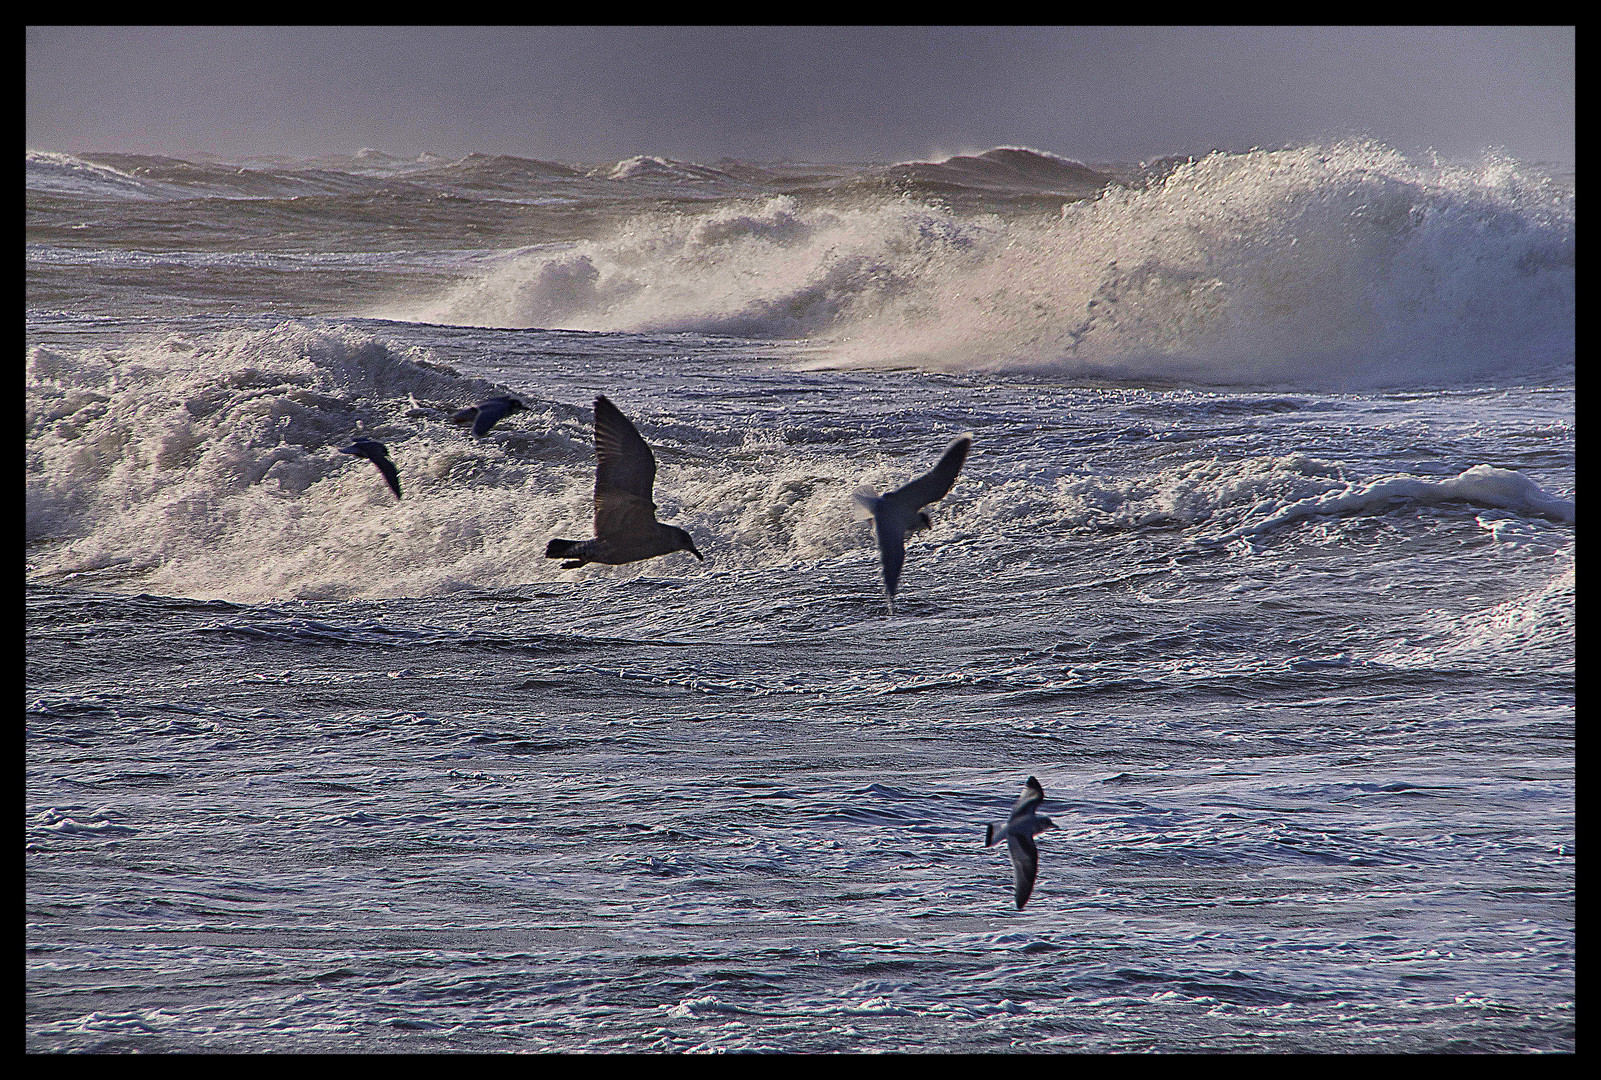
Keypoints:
pixel 626 529
pixel 1019 831
pixel 486 414
pixel 900 512
pixel 378 454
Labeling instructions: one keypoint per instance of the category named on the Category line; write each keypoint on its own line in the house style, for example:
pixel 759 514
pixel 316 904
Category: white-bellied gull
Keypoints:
pixel 626 529
pixel 486 414
pixel 378 454
pixel 900 512
pixel 1019 831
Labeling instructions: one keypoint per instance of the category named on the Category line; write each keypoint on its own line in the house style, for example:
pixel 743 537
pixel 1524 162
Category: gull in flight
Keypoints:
pixel 901 511
pixel 1019 831
pixel 378 454
pixel 486 414
pixel 626 529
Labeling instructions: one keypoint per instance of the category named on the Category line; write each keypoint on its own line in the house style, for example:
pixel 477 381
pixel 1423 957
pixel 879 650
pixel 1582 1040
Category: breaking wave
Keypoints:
pixel 1346 266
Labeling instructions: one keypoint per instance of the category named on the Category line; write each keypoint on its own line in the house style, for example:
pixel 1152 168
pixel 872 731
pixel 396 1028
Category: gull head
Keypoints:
pixel 685 542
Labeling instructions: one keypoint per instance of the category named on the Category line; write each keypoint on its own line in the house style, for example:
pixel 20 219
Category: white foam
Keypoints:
pixel 209 467
pixel 1345 266
pixel 1539 620
pixel 211 462
pixel 1204 492
pixel 769 269
pixel 1481 485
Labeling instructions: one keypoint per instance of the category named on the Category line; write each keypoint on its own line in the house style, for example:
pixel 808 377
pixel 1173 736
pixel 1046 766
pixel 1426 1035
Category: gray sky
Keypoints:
pixel 808 93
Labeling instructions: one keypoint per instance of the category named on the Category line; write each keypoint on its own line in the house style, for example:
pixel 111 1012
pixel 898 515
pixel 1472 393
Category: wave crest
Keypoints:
pixel 764 270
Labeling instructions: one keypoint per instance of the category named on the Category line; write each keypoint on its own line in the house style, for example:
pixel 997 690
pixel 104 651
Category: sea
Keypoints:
pixel 1262 563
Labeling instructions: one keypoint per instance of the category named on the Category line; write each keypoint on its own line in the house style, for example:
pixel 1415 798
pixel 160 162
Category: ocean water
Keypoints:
pixel 1262 562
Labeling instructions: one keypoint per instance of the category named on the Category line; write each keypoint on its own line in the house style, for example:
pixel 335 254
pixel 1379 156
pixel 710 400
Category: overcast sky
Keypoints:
pixel 806 93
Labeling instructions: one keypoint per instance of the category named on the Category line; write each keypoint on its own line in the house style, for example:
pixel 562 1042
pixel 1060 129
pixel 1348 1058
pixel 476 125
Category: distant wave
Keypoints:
pixel 64 174
pixel 1482 485
pixel 500 169
pixel 1253 499
pixel 648 167
pixel 152 177
pixel 1344 266
pixel 366 172
pixel 1005 168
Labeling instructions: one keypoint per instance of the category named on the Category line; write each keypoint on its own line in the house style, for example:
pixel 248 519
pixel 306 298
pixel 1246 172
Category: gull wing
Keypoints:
pixel 1025 866
pixel 490 413
pixel 625 473
pixel 391 474
pixel 378 454
pixel 364 447
pixel 891 547
pixel 1032 796
pixel 934 484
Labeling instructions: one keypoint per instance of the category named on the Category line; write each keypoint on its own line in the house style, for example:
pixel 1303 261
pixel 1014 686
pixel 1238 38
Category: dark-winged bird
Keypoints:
pixel 900 512
pixel 626 529
pixel 378 454
pixel 486 414
pixel 1019 831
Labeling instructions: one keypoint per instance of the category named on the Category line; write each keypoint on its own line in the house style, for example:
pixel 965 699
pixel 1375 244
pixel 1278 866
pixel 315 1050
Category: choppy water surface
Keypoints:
pixel 1281 617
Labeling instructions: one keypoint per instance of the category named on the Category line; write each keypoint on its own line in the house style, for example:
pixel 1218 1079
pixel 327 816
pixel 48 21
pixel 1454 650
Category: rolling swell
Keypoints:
pixel 1005 170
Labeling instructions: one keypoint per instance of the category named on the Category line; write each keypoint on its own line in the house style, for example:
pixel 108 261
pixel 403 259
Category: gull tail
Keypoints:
pixel 862 500
pixel 558 548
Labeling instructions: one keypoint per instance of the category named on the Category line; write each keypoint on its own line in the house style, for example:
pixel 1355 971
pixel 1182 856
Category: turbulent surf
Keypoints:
pixel 1261 562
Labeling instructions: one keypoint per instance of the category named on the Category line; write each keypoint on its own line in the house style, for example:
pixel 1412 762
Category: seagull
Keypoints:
pixel 486 414
pixel 626 529
pixel 1019 831
pixel 900 512
pixel 378 454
